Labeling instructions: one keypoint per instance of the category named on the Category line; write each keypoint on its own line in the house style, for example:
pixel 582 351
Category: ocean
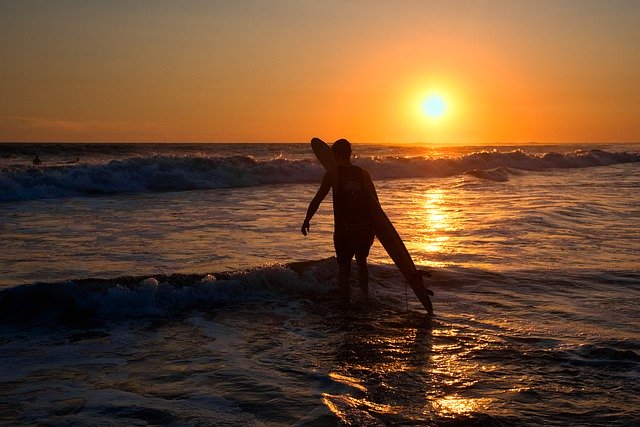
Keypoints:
pixel 155 284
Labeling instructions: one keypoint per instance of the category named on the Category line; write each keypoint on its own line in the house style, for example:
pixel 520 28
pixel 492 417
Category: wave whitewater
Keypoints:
pixel 182 173
pixel 76 301
pixel 82 301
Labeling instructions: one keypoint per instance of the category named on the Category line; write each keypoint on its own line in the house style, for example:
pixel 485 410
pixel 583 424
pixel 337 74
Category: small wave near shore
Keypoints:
pixel 236 348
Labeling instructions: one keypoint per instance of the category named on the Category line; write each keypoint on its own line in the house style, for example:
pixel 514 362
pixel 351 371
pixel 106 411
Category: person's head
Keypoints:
pixel 341 149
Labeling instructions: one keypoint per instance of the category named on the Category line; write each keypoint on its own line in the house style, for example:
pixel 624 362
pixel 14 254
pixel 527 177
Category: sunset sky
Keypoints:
pixel 284 71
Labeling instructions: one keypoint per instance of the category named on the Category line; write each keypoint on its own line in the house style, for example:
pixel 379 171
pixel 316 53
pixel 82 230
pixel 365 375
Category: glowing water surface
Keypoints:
pixel 526 274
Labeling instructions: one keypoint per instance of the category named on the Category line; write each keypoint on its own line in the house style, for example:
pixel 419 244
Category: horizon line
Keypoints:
pixel 504 143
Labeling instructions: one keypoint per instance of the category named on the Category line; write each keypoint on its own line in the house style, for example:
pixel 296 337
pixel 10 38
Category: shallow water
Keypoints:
pixel 501 350
pixel 548 220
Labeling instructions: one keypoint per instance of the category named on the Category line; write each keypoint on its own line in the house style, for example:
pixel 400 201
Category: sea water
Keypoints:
pixel 169 283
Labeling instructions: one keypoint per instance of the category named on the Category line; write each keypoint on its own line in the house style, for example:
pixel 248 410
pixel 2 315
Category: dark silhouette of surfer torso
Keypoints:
pixel 351 201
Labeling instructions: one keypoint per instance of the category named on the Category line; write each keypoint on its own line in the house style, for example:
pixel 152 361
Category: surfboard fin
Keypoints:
pixel 424 273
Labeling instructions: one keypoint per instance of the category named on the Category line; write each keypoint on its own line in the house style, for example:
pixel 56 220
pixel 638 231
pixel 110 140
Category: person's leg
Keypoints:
pixel 362 252
pixel 344 254
pixel 344 271
pixel 363 273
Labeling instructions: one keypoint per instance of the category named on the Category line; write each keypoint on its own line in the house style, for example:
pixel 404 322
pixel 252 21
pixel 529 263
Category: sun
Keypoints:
pixel 434 106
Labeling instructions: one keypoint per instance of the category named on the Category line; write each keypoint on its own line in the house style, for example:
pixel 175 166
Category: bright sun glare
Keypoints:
pixel 434 106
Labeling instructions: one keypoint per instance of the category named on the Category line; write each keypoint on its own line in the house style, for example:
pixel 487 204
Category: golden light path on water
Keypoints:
pixel 493 234
pixel 436 223
pixel 449 222
pixel 449 361
pixel 433 220
pixel 407 357
pixel 428 219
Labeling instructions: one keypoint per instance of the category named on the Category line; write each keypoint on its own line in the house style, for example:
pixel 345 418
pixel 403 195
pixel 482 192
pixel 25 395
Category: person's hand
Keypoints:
pixel 305 227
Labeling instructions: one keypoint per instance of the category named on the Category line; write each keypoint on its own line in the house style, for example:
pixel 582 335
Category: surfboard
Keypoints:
pixel 385 232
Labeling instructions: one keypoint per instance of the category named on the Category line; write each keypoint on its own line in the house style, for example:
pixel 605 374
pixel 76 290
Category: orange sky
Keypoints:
pixel 284 71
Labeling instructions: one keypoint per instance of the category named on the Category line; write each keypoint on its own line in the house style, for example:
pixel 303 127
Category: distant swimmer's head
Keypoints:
pixel 341 149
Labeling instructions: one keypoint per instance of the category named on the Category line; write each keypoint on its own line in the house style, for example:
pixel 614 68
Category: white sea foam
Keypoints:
pixel 153 296
pixel 180 173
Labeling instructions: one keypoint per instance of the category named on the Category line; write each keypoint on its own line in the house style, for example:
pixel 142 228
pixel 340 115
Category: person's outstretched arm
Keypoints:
pixel 325 186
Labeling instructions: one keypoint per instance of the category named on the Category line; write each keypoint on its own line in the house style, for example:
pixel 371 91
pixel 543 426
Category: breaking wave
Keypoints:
pixel 76 301
pixel 181 173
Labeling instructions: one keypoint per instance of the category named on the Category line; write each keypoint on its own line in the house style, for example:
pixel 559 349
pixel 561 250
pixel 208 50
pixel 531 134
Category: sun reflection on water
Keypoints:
pixel 452 365
pixel 353 411
pixel 435 225
pixel 456 405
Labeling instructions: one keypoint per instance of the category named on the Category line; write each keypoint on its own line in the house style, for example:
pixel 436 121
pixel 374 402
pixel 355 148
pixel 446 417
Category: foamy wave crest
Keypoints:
pixel 160 295
pixel 500 174
pixel 490 165
pixel 152 174
pixel 174 173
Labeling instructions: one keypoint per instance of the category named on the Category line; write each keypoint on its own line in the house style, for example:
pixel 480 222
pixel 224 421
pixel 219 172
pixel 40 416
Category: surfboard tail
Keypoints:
pixel 422 293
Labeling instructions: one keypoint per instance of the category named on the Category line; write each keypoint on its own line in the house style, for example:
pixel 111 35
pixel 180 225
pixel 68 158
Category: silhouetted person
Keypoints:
pixel 37 161
pixel 353 231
